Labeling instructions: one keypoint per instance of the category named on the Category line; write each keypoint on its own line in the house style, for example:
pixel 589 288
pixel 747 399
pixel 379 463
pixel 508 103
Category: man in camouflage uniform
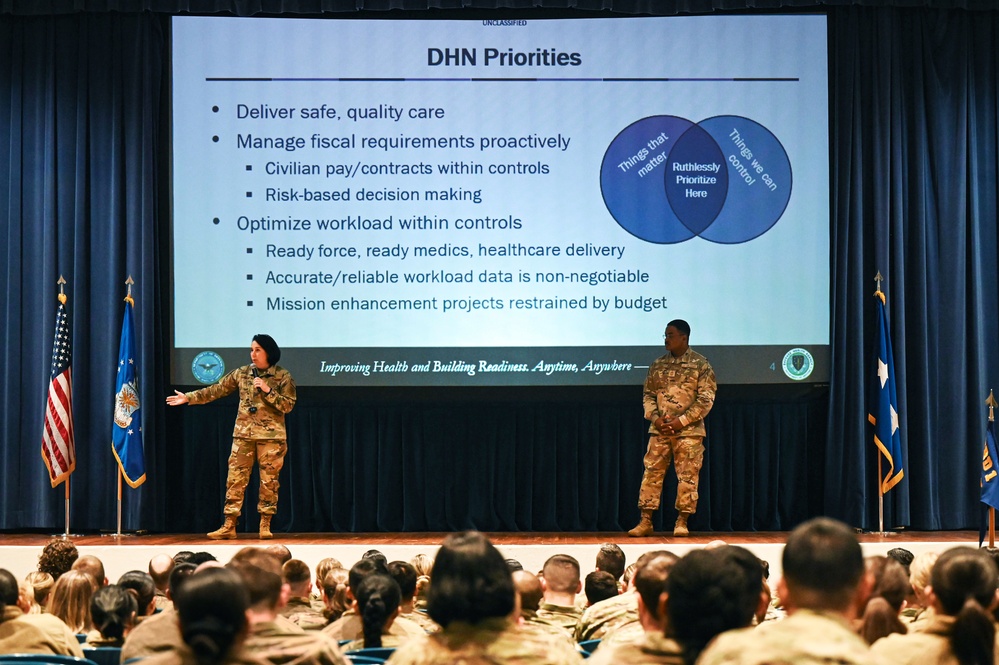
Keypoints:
pixel 266 393
pixel 679 393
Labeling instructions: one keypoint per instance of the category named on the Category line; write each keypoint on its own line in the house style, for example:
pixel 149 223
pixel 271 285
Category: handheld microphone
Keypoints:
pixel 253 409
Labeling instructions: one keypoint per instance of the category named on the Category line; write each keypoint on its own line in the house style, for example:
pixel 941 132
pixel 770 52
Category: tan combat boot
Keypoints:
pixel 644 527
pixel 265 527
pixel 227 531
pixel 680 528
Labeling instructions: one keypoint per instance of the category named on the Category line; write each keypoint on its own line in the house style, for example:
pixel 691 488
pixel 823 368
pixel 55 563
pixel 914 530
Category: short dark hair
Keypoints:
pixel 261 575
pixel 528 587
pixel 269 346
pixel 198 558
pixel 902 555
pixel 363 568
pixel 57 557
pixel 823 556
pixel 8 588
pixel 650 581
pixel 680 325
pixel 296 571
pixel 562 573
pixel 404 575
pixel 611 559
pixel 212 609
pixel 112 610
pixel 709 592
pixel 142 584
pixel 599 585
pixel 471 581
pixel 180 573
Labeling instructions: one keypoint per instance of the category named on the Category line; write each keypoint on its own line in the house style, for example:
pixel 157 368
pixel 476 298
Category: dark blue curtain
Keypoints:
pixel 83 190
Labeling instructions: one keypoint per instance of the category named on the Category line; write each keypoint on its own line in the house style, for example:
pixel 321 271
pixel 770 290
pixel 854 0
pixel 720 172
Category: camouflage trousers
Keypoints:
pixel 688 454
pixel 270 456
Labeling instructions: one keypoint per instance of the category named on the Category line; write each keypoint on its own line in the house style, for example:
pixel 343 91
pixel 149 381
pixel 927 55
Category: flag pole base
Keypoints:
pixel 66 536
pixel 124 534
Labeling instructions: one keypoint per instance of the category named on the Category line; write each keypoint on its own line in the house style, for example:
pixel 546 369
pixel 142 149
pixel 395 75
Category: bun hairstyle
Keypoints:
pixel 964 582
pixel 212 606
pixel 112 610
pixel 270 347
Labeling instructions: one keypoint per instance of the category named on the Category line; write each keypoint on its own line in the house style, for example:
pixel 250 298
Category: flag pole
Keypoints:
pixel 991 402
pixel 881 489
pixel 119 503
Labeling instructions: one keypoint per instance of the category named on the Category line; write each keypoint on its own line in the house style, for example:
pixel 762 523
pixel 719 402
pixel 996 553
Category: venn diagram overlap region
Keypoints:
pixel 666 179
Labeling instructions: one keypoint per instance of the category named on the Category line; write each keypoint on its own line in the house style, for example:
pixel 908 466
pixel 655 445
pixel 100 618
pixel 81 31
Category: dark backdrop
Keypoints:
pixel 83 193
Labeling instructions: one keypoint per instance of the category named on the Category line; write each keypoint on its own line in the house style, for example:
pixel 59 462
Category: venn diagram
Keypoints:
pixel 666 179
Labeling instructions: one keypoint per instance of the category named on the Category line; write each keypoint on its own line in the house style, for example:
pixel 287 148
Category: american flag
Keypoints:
pixel 58 449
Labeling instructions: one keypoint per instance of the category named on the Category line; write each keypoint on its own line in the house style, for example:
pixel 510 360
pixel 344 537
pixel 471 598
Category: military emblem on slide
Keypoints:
pixel 208 367
pixel 798 364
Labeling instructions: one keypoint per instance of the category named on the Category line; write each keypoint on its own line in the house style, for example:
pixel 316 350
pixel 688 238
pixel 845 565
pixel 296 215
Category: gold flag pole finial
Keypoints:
pixel 992 404
pixel 128 296
pixel 878 279
pixel 62 294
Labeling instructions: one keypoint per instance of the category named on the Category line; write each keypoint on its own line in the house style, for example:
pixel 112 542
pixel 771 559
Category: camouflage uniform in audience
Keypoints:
pixel 259 434
pixel 492 640
pixel 603 618
pixel 806 637
pixel 278 645
pixel 932 645
pixel 351 627
pixel 422 619
pixel 161 632
pixel 182 655
pixel 565 618
pixel 56 629
pixel 629 633
pixel 549 630
pixel 301 613
pixel 16 636
pixel 651 649
pixel 389 641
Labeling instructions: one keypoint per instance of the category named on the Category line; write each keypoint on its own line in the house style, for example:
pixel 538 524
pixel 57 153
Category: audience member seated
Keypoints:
pixel 611 559
pixel 919 615
pixel 93 566
pixel 268 639
pixel 142 585
pixel 962 593
pixel 57 557
pixel 212 608
pixel 560 583
pixel 322 570
pixel 404 575
pixel 473 600
pixel 881 613
pixel 113 610
pixel 160 567
pixel 378 600
pixel 423 563
pixel 299 609
pixel 335 598
pixel 529 594
pixel 70 599
pixel 65 639
pixel 349 626
pixel 16 635
pixel 609 615
pixel 14 601
pixel 823 588
pixel 160 632
pixel 599 585
pixel 902 556
pixel 280 552
pixel 649 583
pixel 41 585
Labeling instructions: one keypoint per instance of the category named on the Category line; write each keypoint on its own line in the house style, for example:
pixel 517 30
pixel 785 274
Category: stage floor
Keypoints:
pixel 19 552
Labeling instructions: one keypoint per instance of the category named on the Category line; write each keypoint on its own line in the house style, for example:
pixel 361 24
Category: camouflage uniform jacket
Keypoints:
pixel 493 640
pixel 17 636
pixel 301 613
pixel 181 654
pixel 558 615
pixel 278 645
pixel 603 618
pixel 161 632
pixel 350 626
pixel 651 649
pixel 681 387
pixel 931 646
pixel 51 625
pixel 804 638
pixel 268 420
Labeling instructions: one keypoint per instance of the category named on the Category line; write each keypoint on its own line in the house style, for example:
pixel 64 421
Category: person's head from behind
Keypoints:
pixel 57 557
pixel 361 569
pixel 160 567
pixel 8 590
pixel 650 583
pixel 902 556
pixel 211 606
pixel 144 588
pixel 41 583
pixel 561 576
pixel 405 576
pixel 599 586
pixel 611 559
pixel 919 576
pixel 279 552
pixel 963 585
pixel 824 569
pixel 70 599
pixel 378 598
pixel 113 611
pixel 709 592
pixel 324 567
pixel 181 573
pixel 298 577
pixel 423 563
pixel 335 596
pixel 890 580
pixel 92 566
pixel 471 581
pixel 528 588
pixel 261 576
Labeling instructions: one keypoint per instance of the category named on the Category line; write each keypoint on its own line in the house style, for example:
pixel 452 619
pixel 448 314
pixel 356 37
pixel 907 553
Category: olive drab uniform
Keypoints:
pixel 259 432
pixel 683 388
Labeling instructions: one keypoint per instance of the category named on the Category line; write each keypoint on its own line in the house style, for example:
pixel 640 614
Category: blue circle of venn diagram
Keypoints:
pixel 726 179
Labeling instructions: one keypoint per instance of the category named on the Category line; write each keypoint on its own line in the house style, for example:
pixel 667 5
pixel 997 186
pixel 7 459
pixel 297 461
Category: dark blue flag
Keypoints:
pixel 887 436
pixel 127 429
pixel 990 480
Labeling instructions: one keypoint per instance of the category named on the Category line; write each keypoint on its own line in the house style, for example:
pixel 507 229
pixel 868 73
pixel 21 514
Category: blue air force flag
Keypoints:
pixel 990 474
pixel 127 429
pixel 887 436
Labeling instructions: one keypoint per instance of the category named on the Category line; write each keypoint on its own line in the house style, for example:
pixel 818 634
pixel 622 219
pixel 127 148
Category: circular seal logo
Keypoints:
pixel 798 364
pixel 208 367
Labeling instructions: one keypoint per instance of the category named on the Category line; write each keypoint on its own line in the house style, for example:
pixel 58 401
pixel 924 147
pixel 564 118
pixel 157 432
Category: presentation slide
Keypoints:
pixel 500 203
